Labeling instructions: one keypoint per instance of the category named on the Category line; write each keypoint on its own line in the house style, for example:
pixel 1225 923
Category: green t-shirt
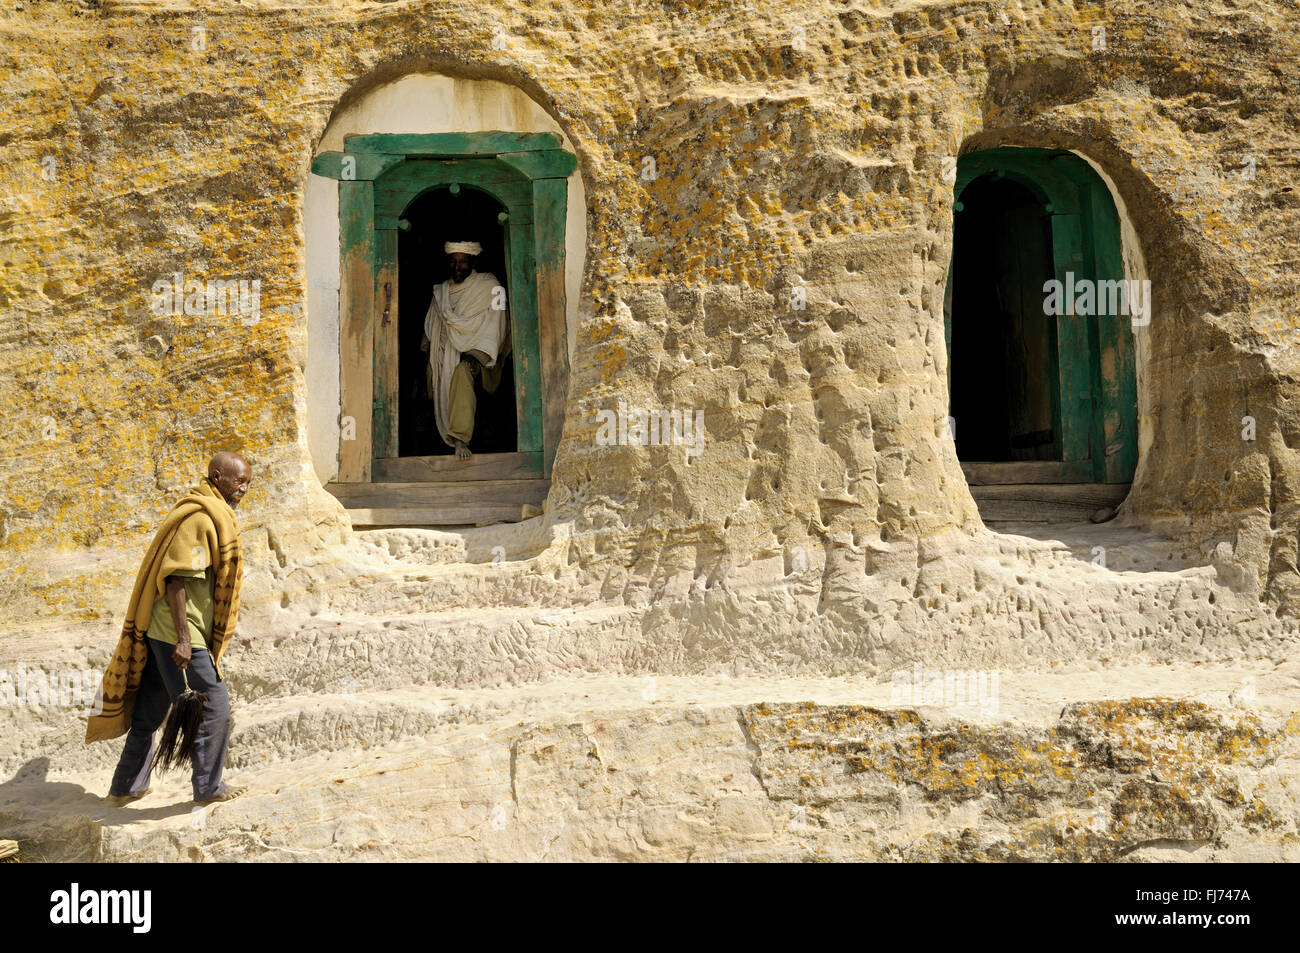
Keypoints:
pixel 198 609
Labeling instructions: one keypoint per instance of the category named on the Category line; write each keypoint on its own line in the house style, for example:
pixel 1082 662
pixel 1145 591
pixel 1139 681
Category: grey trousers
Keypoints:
pixel 161 683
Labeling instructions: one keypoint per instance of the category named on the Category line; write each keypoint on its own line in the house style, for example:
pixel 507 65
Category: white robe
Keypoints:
pixel 460 318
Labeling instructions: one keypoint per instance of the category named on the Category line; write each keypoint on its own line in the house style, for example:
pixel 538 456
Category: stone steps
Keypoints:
pixel 460 648
pixel 368 670
pixel 498 582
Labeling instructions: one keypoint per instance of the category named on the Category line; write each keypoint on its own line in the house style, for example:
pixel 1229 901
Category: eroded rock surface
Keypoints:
pixel 390 687
pixel 691 768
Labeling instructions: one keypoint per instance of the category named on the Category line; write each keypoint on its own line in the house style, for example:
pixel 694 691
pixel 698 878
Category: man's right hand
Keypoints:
pixel 176 603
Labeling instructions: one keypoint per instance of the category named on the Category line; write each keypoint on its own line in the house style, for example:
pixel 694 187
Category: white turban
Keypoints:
pixel 468 248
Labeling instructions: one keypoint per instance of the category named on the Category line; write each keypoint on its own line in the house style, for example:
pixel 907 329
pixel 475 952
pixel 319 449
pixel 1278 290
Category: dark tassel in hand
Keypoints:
pixel 180 730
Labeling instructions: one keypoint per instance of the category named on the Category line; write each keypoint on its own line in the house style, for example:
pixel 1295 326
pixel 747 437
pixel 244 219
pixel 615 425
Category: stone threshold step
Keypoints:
pixel 439 503
pixel 1046 502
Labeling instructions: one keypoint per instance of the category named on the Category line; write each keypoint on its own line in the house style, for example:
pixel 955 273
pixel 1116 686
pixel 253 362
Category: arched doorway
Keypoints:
pixel 398 194
pixel 1041 376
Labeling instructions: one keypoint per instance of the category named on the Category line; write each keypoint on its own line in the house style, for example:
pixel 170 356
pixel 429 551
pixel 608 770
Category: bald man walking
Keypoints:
pixel 181 616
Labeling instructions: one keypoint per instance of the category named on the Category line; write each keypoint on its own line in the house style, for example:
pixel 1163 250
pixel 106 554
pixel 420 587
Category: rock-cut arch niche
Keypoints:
pixel 400 197
pixel 1039 322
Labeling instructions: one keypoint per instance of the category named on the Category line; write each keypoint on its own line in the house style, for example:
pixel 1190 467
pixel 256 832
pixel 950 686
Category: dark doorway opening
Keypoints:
pixel 436 217
pixel 1004 368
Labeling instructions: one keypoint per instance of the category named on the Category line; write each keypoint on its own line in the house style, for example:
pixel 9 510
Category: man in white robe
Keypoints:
pixel 466 332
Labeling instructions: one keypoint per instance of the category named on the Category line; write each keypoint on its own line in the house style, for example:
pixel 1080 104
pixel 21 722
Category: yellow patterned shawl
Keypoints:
pixel 200 531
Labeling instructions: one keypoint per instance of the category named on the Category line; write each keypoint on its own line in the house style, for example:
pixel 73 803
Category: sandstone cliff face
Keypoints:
pixel 827 527
pixel 793 147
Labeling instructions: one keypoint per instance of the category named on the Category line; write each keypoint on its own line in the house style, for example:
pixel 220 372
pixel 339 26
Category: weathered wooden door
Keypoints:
pixel 1094 390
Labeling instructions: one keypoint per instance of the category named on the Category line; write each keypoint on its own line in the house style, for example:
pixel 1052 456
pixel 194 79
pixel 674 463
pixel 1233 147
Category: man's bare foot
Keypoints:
pixel 462 451
pixel 228 792
pixel 127 798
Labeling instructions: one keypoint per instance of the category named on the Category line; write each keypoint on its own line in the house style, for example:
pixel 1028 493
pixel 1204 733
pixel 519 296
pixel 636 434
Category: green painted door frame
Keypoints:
pixel 1096 404
pixel 379 176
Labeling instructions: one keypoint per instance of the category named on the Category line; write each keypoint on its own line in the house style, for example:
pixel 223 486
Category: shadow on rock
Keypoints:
pixel 61 820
